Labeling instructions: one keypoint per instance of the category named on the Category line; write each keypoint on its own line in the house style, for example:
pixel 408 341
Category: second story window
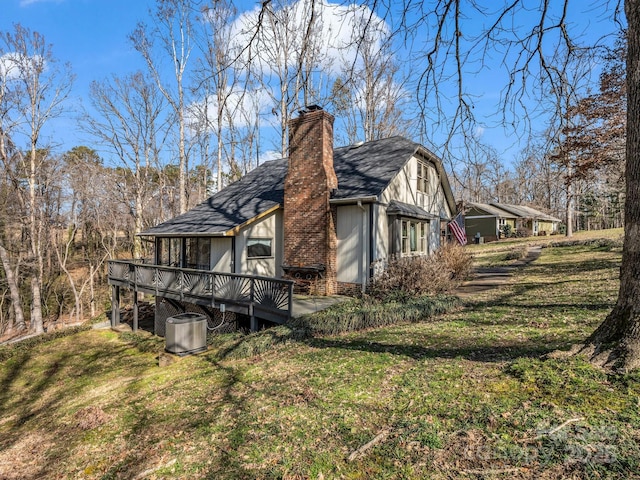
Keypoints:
pixel 423 177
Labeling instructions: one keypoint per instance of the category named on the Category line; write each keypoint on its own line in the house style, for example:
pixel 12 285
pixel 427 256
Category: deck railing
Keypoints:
pixel 265 297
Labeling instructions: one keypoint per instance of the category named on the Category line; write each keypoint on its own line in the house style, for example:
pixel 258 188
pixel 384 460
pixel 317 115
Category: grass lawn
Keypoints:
pixel 464 395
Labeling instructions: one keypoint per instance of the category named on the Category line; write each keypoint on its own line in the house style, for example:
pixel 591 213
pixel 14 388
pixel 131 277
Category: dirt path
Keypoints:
pixel 487 278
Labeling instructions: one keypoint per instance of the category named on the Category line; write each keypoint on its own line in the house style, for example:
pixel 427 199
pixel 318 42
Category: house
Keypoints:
pixel 324 217
pixel 323 220
pixel 487 221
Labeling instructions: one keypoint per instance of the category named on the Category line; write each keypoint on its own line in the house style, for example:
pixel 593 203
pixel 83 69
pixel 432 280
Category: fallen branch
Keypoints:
pixel 360 451
pixel 491 471
pixel 149 471
pixel 553 430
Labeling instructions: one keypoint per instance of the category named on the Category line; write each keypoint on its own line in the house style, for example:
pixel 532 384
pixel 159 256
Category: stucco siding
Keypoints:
pixel 268 227
pixel 403 187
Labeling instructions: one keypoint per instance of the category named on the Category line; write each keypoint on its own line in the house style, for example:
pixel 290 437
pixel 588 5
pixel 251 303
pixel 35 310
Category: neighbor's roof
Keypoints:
pixel 491 210
pixel 363 171
pixel 505 210
pixel 526 212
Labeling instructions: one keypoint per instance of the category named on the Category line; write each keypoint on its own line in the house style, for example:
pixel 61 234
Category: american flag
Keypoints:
pixel 457 228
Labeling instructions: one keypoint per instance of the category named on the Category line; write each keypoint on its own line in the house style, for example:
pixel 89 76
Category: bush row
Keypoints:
pixel 353 315
pixel 406 277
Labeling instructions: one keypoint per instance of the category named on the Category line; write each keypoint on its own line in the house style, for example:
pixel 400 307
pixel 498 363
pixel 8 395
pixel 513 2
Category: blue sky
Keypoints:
pixel 92 36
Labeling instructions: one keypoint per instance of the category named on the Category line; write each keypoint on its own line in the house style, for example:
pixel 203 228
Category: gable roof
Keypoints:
pixel 259 191
pixel 526 212
pixel 491 210
pixel 363 172
pixel 505 210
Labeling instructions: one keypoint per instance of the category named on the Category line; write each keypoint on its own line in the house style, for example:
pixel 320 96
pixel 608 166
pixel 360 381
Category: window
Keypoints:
pixel 198 253
pixel 163 251
pixel 405 237
pixel 258 247
pixel 423 177
pixel 170 250
pixel 422 238
pixel 445 233
pixel 175 245
pixel 414 237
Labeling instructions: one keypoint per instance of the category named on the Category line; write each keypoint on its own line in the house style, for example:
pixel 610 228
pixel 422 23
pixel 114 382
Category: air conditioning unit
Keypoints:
pixel 186 333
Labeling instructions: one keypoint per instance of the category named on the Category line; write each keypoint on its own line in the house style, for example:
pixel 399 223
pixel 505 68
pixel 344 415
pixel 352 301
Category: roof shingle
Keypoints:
pixel 362 171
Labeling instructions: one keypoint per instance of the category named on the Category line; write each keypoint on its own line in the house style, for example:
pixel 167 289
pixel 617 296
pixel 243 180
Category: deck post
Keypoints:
pixel 254 320
pixel 115 306
pixel 290 306
pixel 135 311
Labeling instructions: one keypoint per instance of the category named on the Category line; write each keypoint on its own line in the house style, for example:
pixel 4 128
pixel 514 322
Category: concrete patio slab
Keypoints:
pixel 305 304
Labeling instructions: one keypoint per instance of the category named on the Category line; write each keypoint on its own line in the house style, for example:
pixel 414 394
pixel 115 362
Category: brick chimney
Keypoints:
pixel 310 243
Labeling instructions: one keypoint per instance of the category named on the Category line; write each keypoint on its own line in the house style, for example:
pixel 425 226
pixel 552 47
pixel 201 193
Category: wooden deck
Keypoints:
pixel 255 296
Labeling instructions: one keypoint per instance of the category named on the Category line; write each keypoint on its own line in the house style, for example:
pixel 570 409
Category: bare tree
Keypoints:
pixel 593 133
pixel 283 53
pixel 220 86
pixel 129 122
pixel 370 93
pixel 9 210
pixel 87 186
pixel 16 302
pixel 539 180
pixel 34 88
pixel 171 37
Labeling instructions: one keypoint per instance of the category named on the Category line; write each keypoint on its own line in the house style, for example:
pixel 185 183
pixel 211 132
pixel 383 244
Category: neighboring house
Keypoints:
pixel 487 220
pixel 324 217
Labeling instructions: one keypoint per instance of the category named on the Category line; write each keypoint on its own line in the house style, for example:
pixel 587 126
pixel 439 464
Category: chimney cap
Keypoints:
pixel 309 108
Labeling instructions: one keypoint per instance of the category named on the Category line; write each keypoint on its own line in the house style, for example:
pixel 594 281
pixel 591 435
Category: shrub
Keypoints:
pixel 368 312
pixel 349 316
pixel 506 231
pixel 406 277
pixel 517 253
pixel 456 260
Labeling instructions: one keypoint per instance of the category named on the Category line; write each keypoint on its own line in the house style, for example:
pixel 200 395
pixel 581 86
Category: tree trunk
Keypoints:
pixel 14 291
pixel 37 263
pixel 138 224
pixel 37 323
pixel 619 334
pixel 92 293
pixel 570 208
